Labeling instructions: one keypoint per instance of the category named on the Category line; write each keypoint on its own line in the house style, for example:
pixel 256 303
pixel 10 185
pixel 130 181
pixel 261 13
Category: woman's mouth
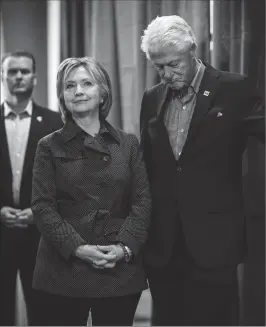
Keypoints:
pixel 80 101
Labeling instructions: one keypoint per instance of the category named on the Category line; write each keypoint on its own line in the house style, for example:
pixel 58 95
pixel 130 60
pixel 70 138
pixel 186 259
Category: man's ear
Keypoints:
pixel 35 80
pixel 193 48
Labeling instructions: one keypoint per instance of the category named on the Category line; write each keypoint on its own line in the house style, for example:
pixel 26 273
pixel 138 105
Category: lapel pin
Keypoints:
pixel 206 93
pixel 39 118
pixel 219 114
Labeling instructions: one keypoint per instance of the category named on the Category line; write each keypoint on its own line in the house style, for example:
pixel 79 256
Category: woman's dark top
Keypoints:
pixel 89 190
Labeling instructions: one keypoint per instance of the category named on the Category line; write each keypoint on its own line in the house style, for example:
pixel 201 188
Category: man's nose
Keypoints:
pixel 18 74
pixel 168 72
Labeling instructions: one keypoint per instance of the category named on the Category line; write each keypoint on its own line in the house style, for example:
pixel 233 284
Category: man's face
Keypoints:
pixel 176 68
pixel 17 76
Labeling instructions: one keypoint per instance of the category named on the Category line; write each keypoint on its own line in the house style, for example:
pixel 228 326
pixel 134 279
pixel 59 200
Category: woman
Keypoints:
pixel 91 203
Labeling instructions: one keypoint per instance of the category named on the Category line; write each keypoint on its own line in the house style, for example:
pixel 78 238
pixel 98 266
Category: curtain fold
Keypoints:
pixel 72 28
pixel 2 49
pixel 104 47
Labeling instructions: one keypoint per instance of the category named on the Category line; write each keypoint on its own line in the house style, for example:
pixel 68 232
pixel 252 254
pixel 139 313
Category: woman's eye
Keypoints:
pixel 87 83
pixel 69 86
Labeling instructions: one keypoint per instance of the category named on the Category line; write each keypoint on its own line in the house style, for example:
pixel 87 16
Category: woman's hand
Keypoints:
pixel 95 256
pixel 114 249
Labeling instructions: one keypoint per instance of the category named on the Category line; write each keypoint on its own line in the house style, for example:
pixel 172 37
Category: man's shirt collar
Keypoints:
pixel 8 110
pixel 195 84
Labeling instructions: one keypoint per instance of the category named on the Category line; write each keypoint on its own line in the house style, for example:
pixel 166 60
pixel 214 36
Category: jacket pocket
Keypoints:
pixel 94 226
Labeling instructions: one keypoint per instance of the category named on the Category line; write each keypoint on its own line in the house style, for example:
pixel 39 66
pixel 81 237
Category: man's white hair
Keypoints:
pixel 167 32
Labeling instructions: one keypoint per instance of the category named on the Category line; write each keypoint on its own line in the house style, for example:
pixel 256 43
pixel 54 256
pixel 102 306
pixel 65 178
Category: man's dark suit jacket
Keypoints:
pixel 43 122
pixel 203 189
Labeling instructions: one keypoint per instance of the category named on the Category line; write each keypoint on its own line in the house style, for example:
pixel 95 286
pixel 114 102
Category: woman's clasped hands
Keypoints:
pixel 100 256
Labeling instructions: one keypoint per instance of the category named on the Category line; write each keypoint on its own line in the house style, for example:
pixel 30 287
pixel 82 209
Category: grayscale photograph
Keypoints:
pixel 132 163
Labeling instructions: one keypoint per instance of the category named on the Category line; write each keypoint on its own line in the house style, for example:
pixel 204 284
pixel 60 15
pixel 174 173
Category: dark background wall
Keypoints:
pixel 24 27
pixel 254 272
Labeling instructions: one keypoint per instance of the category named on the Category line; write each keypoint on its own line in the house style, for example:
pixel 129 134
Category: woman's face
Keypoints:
pixel 81 93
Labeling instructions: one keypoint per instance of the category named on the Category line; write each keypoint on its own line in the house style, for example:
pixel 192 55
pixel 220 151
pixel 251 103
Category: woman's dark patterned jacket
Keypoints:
pixel 94 191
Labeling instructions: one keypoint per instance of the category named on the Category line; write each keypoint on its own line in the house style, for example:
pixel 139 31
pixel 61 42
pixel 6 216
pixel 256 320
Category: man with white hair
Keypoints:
pixel 194 129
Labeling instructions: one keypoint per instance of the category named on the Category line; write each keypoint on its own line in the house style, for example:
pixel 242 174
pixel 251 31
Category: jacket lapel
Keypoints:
pixel 160 97
pixel 207 92
pixel 155 123
pixel 158 133
pixel 3 141
pixel 35 134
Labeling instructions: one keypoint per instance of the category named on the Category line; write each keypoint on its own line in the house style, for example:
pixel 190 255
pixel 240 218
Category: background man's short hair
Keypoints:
pixel 20 53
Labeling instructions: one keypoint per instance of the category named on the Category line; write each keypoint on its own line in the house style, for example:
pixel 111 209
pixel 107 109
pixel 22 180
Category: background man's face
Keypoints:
pixel 176 68
pixel 17 76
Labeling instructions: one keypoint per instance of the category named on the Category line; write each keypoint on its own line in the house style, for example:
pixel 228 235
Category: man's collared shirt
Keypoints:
pixel 17 131
pixel 179 113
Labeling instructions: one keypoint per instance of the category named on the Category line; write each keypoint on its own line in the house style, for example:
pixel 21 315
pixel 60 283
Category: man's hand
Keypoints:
pixel 9 217
pixel 92 254
pixel 25 216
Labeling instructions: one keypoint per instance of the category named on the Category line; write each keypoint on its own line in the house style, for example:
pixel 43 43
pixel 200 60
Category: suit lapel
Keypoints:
pixel 155 123
pixel 35 133
pixel 3 140
pixel 160 97
pixel 158 132
pixel 207 92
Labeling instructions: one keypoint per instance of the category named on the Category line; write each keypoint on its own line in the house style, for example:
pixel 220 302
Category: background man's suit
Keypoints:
pixel 19 246
pixel 199 197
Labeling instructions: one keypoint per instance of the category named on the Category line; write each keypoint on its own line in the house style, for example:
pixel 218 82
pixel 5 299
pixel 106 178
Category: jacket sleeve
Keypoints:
pixel 53 228
pixel 133 232
pixel 143 118
pixel 254 113
pixel 145 145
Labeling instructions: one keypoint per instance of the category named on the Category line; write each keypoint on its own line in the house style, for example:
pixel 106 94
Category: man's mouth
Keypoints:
pixel 19 85
pixel 175 80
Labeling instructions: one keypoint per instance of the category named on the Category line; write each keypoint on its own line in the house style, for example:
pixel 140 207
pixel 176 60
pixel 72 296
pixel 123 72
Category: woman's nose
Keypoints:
pixel 79 89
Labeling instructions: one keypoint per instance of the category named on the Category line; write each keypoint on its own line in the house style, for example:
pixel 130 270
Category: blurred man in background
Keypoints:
pixel 194 128
pixel 22 124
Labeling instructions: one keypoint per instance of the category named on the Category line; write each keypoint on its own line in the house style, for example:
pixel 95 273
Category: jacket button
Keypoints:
pixel 179 168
